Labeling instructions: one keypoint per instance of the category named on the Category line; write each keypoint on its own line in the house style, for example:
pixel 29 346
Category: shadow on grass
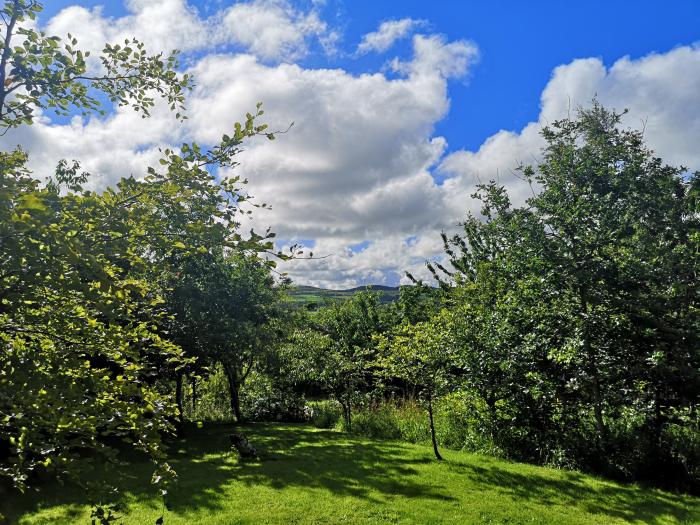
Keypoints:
pixel 606 498
pixel 297 456
pixel 290 456
pixel 302 457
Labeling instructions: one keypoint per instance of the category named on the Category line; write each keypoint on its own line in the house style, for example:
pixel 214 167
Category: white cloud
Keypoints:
pixel 387 34
pixel 356 163
pixel 660 90
pixel 356 167
pixel 162 25
pixel 273 30
pixel 434 56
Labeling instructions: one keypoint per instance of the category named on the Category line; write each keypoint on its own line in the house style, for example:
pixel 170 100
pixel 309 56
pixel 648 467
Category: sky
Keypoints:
pixel 399 107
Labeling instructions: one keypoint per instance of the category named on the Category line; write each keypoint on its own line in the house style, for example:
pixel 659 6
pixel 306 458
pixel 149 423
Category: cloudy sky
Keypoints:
pixel 399 107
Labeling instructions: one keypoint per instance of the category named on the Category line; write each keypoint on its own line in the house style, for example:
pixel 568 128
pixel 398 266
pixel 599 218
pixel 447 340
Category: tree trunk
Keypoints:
pixel 593 368
pixel 346 414
pixel 194 394
pixel 491 403
pixel 432 427
pixel 234 387
pixel 597 403
pixel 658 421
pixel 178 400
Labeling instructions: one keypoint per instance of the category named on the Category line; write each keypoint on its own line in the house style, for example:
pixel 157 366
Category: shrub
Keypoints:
pixel 457 425
pixel 262 400
pixel 213 402
pixel 683 443
pixel 379 422
pixel 325 414
pixel 412 421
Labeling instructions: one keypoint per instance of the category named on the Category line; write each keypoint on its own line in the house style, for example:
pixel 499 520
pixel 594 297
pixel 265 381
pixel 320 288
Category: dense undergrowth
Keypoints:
pixel 461 424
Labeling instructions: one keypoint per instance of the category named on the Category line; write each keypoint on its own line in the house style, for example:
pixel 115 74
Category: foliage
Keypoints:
pixel 39 72
pixel 325 414
pixel 224 310
pixel 83 324
pixel 206 397
pixel 376 422
pixel 262 400
pixel 576 316
pixel 79 331
pixel 80 334
pixel 423 355
pixel 335 350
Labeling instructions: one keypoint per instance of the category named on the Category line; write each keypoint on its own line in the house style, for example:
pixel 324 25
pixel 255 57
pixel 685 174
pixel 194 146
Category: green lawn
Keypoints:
pixel 315 476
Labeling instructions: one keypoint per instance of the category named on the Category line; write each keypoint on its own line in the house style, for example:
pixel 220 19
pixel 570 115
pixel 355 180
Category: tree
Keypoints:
pixel 422 355
pixel 81 312
pixel 592 288
pixel 618 229
pixel 44 72
pixel 224 306
pixel 417 302
pixel 335 349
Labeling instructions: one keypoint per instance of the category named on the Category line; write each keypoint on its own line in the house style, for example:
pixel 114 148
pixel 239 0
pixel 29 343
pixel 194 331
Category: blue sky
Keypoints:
pixel 520 43
pixel 400 107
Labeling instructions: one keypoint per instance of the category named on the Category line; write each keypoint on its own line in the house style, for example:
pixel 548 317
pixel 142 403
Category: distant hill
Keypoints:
pixel 310 295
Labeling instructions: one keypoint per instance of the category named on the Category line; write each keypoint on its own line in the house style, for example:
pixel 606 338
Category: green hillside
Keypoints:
pixel 310 295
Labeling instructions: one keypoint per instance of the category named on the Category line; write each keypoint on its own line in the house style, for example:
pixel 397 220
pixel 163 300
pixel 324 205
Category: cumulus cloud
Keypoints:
pixel 355 166
pixel 161 24
pixel 434 56
pixel 387 34
pixel 660 90
pixel 273 30
pixel 355 174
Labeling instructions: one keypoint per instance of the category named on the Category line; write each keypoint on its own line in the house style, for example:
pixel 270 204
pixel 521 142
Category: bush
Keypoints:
pixel 412 421
pixel 451 421
pixel 379 422
pixel 683 443
pixel 213 402
pixel 456 424
pixel 262 400
pixel 325 414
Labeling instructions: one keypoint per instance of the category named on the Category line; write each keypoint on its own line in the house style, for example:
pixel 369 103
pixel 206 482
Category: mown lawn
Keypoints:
pixel 315 476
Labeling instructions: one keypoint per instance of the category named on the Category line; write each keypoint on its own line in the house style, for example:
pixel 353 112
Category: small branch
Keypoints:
pixel 5 56
pixel 43 333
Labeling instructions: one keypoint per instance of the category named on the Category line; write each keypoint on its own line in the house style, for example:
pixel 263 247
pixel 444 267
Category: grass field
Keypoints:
pixel 310 295
pixel 317 476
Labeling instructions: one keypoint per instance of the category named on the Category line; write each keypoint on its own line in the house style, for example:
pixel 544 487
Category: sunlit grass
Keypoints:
pixel 307 475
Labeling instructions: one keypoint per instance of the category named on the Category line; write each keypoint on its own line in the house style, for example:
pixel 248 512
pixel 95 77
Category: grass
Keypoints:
pixel 306 475
pixel 305 295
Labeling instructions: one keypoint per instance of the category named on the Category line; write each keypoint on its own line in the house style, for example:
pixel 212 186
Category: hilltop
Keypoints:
pixel 309 295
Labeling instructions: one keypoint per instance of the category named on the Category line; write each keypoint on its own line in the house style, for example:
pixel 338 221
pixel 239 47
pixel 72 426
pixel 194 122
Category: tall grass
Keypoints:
pixel 212 401
pixel 407 420
pixel 324 414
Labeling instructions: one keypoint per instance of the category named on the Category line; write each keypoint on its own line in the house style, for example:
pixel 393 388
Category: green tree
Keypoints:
pixel 81 312
pixel 224 308
pixel 45 72
pixel 424 356
pixel 587 296
pixel 335 349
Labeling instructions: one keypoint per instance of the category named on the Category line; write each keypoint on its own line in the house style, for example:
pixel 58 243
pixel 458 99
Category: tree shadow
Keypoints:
pixel 297 456
pixel 606 498
pixel 307 458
